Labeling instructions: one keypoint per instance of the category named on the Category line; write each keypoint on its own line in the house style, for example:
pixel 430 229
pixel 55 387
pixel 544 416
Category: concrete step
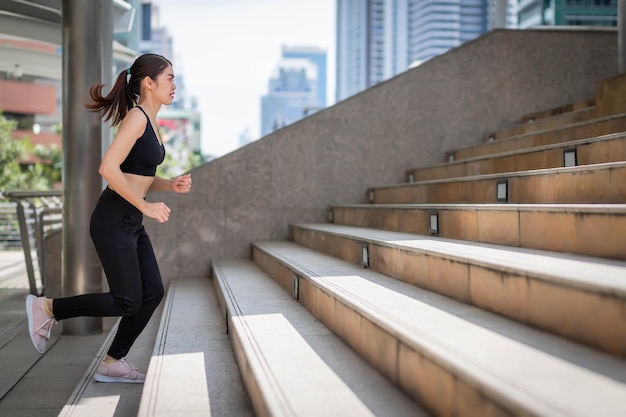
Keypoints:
pixel 17 354
pixel 34 384
pixel 598 150
pixel 588 129
pixel 293 365
pixel 534 287
pixel 91 398
pixel 586 229
pixel 559 110
pixel 193 371
pixel 541 121
pixel 453 358
pixel 588 184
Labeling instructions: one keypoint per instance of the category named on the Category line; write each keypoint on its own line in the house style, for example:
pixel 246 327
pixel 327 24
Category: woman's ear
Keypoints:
pixel 147 82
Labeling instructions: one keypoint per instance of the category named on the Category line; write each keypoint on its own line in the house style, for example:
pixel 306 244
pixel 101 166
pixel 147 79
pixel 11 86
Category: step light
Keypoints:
pixel 365 255
pixel 296 286
pixel 502 191
pixel 411 177
pixel 569 158
pixel 331 215
pixel 433 223
pixel 451 157
pixel 371 196
pixel 492 138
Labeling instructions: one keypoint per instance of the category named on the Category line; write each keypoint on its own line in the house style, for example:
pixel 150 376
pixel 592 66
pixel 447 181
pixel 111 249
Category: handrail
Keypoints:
pixel 31 194
pixel 32 208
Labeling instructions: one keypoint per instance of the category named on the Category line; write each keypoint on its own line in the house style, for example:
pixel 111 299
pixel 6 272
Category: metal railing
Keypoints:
pixel 9 227
pixel 39 213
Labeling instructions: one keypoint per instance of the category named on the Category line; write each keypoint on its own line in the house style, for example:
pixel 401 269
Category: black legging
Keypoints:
pixel 131 269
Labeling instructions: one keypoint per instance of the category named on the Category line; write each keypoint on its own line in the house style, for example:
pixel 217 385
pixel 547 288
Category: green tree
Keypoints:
pixel 52 158
pixel 13 175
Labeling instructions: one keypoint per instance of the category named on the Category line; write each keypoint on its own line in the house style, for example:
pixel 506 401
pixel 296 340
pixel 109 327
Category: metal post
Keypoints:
pixel 621 35
pixel 28 256
pixel 83 30
pixel 107 68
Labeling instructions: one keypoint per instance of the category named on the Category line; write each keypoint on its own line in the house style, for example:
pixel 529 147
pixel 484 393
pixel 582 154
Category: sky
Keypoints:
pixel 228 49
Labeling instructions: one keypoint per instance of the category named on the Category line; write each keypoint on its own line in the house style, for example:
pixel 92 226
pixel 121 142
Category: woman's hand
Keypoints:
pixel 182 184
pixel 157 211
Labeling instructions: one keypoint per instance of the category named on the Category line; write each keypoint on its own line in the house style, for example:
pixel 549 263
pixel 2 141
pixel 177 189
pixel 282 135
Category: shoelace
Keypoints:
pixel 46 326
pixel 127 364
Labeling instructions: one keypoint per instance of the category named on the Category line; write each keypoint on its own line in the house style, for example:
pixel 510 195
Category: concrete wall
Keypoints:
pixel 332 157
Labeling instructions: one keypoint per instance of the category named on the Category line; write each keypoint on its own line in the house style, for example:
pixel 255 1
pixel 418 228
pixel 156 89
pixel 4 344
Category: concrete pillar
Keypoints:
pixel 621 35
pixel 107 69
pixel 83 51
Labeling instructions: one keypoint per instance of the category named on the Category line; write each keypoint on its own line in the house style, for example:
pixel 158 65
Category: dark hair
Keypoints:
pixel 125 92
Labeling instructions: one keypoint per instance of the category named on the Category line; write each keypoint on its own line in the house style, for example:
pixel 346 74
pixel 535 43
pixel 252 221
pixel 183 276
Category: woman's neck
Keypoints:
pixel 150 108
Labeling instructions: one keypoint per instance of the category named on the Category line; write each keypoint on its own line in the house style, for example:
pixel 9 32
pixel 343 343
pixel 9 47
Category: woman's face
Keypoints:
pixel 165 86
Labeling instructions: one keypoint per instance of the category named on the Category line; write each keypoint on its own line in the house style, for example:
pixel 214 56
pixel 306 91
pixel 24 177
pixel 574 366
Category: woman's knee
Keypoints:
pixel 129 306
pixel 155 293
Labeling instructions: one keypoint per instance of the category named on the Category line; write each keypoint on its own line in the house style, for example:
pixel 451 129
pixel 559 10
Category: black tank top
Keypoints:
pixel 146 154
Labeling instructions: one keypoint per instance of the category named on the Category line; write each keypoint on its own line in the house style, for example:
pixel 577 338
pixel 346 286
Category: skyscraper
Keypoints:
pixel 316 55
pixel 377 39
pixel 292 94
pixel 352 47
pixel 436 27
pixel 296 89
pixel 567 13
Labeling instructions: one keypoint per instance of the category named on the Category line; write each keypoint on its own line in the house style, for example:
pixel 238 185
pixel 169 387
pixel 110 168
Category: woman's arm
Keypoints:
pixel 180 184
pixel 161 184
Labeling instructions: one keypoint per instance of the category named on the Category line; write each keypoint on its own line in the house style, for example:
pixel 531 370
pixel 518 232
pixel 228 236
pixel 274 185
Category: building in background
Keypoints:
pixel 316 55
pixel 566 13
pixel 378 39
pixel 437 27
pixel 31 95
pixel 294 88
pixel 31 71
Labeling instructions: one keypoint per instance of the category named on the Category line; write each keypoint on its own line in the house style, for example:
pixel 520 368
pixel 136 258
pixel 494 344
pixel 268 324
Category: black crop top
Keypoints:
pixel 146 154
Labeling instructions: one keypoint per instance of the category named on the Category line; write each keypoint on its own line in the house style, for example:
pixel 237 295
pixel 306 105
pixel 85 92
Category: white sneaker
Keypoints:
pixel 39 322
pixel 120 371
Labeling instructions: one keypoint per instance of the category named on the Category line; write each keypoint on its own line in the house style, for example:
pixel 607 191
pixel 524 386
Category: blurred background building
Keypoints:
pixel 377 39
pixel 566 13
pixel 31 85
pixel 296 89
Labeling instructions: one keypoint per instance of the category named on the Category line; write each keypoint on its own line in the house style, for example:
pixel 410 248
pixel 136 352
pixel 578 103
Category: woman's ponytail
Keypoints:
pixel 126 89
pixel 114 105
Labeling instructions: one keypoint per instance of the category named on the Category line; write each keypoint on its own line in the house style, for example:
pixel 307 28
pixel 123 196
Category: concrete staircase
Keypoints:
pixel 492 284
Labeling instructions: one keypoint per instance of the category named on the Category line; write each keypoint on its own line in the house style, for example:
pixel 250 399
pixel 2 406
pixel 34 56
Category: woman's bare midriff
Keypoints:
pixel 140 184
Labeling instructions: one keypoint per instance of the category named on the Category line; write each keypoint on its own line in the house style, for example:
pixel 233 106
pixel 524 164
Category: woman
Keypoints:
pixel 129 167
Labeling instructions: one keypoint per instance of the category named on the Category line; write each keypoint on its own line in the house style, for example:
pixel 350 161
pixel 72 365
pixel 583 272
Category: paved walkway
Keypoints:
pixel 13 277
pixel 34 385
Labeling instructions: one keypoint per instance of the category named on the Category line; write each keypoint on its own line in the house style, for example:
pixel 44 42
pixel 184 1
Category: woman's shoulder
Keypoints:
pixel 134 121
pixel 135 116
pixel 136 112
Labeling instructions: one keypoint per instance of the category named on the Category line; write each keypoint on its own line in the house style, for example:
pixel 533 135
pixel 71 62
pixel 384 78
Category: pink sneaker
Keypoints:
pixel 120 371
pixel 39 322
